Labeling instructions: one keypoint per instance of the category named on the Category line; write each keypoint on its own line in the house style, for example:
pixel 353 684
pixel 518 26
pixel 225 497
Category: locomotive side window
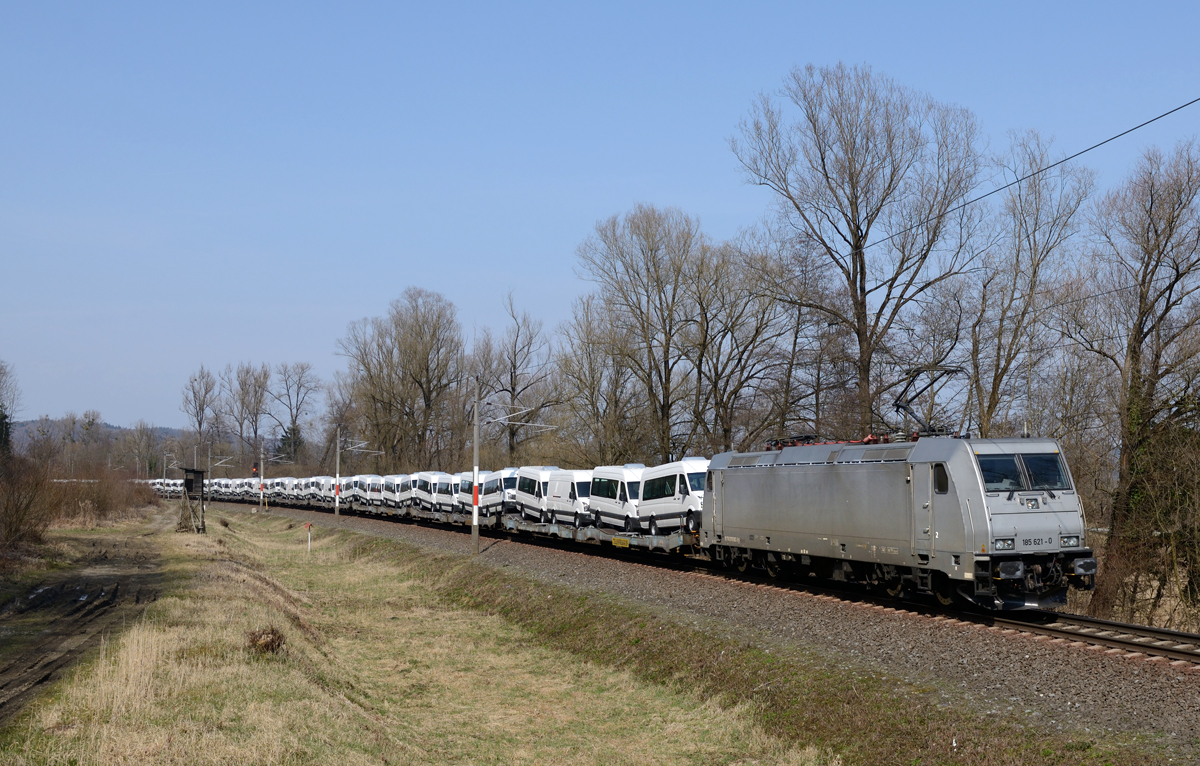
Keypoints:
pixel 1045 471
pixel 941 481
pixel 1001 473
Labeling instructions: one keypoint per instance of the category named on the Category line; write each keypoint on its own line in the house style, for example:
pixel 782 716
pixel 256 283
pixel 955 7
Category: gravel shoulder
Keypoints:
pixel 1045 685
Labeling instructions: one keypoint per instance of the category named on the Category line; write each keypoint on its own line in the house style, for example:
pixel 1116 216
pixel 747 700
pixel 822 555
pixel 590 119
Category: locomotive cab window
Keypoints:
pixel 1001 473
pixel 941 480
pixel 1045 472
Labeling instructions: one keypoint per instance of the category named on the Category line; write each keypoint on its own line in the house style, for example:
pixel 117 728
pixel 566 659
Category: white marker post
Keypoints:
pixel 475 480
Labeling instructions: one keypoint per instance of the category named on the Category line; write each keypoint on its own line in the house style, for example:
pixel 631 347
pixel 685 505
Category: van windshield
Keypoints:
pixel 696 480
pixel 510 482
pixel 583 488
pixel 634 486
pixel 443 488
pixel 1001 473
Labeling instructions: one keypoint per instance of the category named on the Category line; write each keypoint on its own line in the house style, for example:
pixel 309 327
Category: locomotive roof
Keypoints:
pixel 924 450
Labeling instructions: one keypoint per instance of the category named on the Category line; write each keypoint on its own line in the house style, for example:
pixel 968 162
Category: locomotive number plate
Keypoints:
pixel 620 542
pixel 1036 541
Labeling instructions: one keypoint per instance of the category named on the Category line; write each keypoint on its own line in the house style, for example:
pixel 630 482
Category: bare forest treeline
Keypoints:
pixel 1068 312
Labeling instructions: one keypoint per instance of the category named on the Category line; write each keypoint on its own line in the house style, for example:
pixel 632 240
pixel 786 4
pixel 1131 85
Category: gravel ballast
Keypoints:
pixel 1053 686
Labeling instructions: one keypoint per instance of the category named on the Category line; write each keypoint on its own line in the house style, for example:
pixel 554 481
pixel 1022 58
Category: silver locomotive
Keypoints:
pixel 994 522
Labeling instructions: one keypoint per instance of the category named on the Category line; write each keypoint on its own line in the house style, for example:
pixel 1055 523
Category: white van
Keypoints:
pixel 492 492
pixel 567 497
pixel 532 483
pixel 615 493
pixel 505 491
pixel 371 490
pixel 423 487
pixel 445 495
pixel 466 491
pixel 672 496
pixel 394 488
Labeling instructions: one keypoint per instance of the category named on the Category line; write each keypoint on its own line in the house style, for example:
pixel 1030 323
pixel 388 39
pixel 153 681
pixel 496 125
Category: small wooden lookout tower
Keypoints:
pixel 191 502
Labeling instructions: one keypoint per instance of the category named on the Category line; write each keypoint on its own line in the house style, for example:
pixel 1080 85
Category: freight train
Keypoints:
pixel 994 523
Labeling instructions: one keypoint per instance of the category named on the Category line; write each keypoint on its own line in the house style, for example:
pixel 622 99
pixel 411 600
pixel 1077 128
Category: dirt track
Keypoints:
pixel 46 629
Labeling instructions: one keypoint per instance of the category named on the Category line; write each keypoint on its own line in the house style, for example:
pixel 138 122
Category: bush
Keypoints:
pixel 24 501
pixel 87 502
pixel 265 640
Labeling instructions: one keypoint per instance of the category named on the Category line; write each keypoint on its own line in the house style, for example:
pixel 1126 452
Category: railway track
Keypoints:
pixel 1181 650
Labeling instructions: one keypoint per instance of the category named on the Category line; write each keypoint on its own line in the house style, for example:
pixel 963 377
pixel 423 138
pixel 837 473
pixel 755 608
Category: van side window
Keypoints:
pixel 683 486
pixel 941 481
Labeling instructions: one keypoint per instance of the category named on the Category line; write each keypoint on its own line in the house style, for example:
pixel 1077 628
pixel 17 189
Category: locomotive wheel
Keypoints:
pixel 773 567
pixel 742 564
pixel 894 587
pixel 945 592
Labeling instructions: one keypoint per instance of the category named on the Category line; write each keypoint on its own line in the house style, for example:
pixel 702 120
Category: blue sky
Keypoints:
pixel 208 182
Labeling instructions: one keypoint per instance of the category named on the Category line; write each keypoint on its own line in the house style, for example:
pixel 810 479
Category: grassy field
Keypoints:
pixel 394 654
pixel 375 668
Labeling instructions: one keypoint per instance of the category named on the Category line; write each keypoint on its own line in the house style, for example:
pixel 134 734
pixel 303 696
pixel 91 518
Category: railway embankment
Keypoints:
pixel 912 667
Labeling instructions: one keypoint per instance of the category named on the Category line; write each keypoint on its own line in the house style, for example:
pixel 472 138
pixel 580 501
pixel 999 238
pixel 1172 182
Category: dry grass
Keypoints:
pixel 375 667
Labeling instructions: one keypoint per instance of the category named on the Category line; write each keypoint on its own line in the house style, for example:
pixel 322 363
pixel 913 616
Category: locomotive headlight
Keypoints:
pixel 1071 541
pixel 1005 544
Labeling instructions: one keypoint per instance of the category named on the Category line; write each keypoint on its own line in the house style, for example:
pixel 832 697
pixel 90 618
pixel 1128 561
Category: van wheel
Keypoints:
pixel 628 525
pixel 690 523
pixel 596 519
pixel 653 527
pixel 578 520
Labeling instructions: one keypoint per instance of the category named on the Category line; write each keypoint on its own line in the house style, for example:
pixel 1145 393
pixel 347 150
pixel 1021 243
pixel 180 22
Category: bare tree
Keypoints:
pixel 1144 321
pixel 294 388
pixel 640 263
pixel 244 401
pixel 523 377
pixel 406 369
pixel 603 410
pixel 731 344
pixel 869 175
pixel 1038 218
pixel 199 401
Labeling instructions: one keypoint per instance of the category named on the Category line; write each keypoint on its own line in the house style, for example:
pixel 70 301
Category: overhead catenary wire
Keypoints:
pixel 1039 171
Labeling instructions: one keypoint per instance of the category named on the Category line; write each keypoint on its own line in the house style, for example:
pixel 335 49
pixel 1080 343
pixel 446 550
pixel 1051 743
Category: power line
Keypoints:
pixel 1039 171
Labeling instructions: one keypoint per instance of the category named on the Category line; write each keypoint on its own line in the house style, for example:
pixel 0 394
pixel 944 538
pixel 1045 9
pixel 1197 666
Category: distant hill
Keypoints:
pixel 23 430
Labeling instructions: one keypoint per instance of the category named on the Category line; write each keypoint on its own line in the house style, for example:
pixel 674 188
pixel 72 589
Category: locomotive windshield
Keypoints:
pixel 1008 473
pixel 1001 473
pixel 1045 471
